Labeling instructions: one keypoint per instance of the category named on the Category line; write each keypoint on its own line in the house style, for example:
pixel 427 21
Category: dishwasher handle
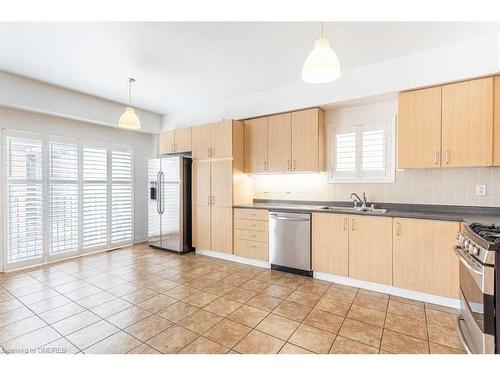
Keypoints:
pixel 288 218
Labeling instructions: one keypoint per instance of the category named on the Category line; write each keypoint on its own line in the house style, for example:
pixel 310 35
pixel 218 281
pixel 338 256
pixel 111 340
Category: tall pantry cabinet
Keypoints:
pixel 218 183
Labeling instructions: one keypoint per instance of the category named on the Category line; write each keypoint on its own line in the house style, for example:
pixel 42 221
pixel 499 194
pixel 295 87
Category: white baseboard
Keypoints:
pixel 444 301
pixel 430 298
pixel 234 258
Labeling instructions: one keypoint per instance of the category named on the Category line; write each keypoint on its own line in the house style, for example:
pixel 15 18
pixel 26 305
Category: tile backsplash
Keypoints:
pixel 448 186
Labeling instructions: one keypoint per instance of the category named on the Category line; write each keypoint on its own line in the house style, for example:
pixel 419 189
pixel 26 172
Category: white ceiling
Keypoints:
pixel 179 66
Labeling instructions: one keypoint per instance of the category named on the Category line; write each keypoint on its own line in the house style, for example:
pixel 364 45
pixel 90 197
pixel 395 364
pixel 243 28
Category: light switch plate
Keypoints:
pixel 480 190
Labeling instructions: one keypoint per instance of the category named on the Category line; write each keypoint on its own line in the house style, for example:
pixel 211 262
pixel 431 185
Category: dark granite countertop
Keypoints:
pixel 469 214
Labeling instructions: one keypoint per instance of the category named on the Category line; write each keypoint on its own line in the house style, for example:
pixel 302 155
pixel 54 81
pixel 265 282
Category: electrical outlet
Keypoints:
pixel 480 190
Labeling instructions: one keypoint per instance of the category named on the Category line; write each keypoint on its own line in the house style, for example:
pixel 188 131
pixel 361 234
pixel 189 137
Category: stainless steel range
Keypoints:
pixel 479 252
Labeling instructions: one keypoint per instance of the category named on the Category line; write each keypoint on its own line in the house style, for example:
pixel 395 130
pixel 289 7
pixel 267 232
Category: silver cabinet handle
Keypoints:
pixel 345 223
pixel 436 157
pixel 352 225
pixel 265 165
pixel 447 157
pixel 295 164
pixel 209 201
pixel 288 165
pixel 398 228
pixel 172 147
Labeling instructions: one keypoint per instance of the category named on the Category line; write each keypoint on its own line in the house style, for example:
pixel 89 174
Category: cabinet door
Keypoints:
pixel 330 243
pixel 200 141
pixel 167 142
pixel 468 123
pixel 201 183
pixel 222 183
pixel 305 140
pixel 370 248
pixel 183 140
pixel 279 143
pixel 424 260
pixel 419 128
pixel 222 139
pixel 201 204
pixel 255 136
pixel 222 229
pixel 496 119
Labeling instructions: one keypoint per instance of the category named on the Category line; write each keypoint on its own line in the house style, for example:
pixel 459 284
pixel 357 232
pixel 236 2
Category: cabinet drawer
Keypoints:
pixel 250 235
pixel 247 213
pixel 258 225
pixel 251 249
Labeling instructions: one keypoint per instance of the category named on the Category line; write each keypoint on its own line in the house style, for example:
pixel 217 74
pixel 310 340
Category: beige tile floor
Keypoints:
pixel 141 300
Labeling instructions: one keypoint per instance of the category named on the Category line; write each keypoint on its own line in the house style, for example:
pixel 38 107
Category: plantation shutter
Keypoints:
pixel 63 197
pixel 94 197
pixel 24 193
pixel 121 196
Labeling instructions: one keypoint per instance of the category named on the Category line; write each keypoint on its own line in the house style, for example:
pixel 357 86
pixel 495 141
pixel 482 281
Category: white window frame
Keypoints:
pixel 46 256
pixel 358 177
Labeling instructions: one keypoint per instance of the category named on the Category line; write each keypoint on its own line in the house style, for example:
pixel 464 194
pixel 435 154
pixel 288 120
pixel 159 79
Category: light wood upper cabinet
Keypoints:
pixel 255 136
pixel 178 140
pixel 213 141
pixel 424 260
pixel 201 142
pixel 279 143
pixel 370 248
pixel 308 140
pixel 467 123
pixel 496 123
pixel 330 243
pixel 221 136
pixel 419 128
pixel 167 141
pixel 182 140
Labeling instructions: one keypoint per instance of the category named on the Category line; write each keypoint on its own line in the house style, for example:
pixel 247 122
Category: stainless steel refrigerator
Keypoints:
pixel 169 208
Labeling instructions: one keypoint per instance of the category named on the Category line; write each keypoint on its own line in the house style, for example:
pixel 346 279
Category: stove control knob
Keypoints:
pixel 472 249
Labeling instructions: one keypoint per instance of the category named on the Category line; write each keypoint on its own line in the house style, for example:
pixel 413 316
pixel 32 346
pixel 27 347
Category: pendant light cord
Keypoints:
pixel 322 30
pixel 130 81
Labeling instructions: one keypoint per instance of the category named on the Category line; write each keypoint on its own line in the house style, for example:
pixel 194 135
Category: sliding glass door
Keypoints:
pixel 63 197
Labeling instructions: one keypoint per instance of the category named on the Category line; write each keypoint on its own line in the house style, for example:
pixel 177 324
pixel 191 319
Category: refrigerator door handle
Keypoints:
pixel 160 189
pixel 158 192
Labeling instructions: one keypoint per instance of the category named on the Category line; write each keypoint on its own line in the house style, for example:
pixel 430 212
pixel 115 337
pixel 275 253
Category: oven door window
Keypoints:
pixel 473 294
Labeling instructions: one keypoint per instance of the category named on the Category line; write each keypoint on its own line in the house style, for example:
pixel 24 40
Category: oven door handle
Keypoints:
pixel 465 262
pixel 461 334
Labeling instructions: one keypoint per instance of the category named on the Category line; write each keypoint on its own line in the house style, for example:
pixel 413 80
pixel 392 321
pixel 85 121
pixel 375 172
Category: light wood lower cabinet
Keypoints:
pixel 222 229
pixel 201 231
pixel 370 248
pixel 251 238
pixel 424 260
pixel 330 243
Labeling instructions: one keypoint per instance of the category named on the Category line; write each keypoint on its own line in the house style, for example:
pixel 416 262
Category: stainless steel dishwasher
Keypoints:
pixel 290 242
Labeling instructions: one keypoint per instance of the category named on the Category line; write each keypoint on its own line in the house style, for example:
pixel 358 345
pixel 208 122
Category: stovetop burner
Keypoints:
pixel 490 233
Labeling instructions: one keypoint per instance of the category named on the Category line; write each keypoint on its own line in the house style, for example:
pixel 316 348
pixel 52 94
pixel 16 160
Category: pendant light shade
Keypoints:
pixel 322 64
pixel 129 119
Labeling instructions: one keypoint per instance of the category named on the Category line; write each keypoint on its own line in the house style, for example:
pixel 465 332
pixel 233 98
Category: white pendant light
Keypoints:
pixel 129 119
pixel 322 64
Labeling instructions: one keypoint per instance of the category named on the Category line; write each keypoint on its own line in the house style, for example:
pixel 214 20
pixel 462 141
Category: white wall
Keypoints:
pixel 454 186
pixel 143 144
pixel 36 96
